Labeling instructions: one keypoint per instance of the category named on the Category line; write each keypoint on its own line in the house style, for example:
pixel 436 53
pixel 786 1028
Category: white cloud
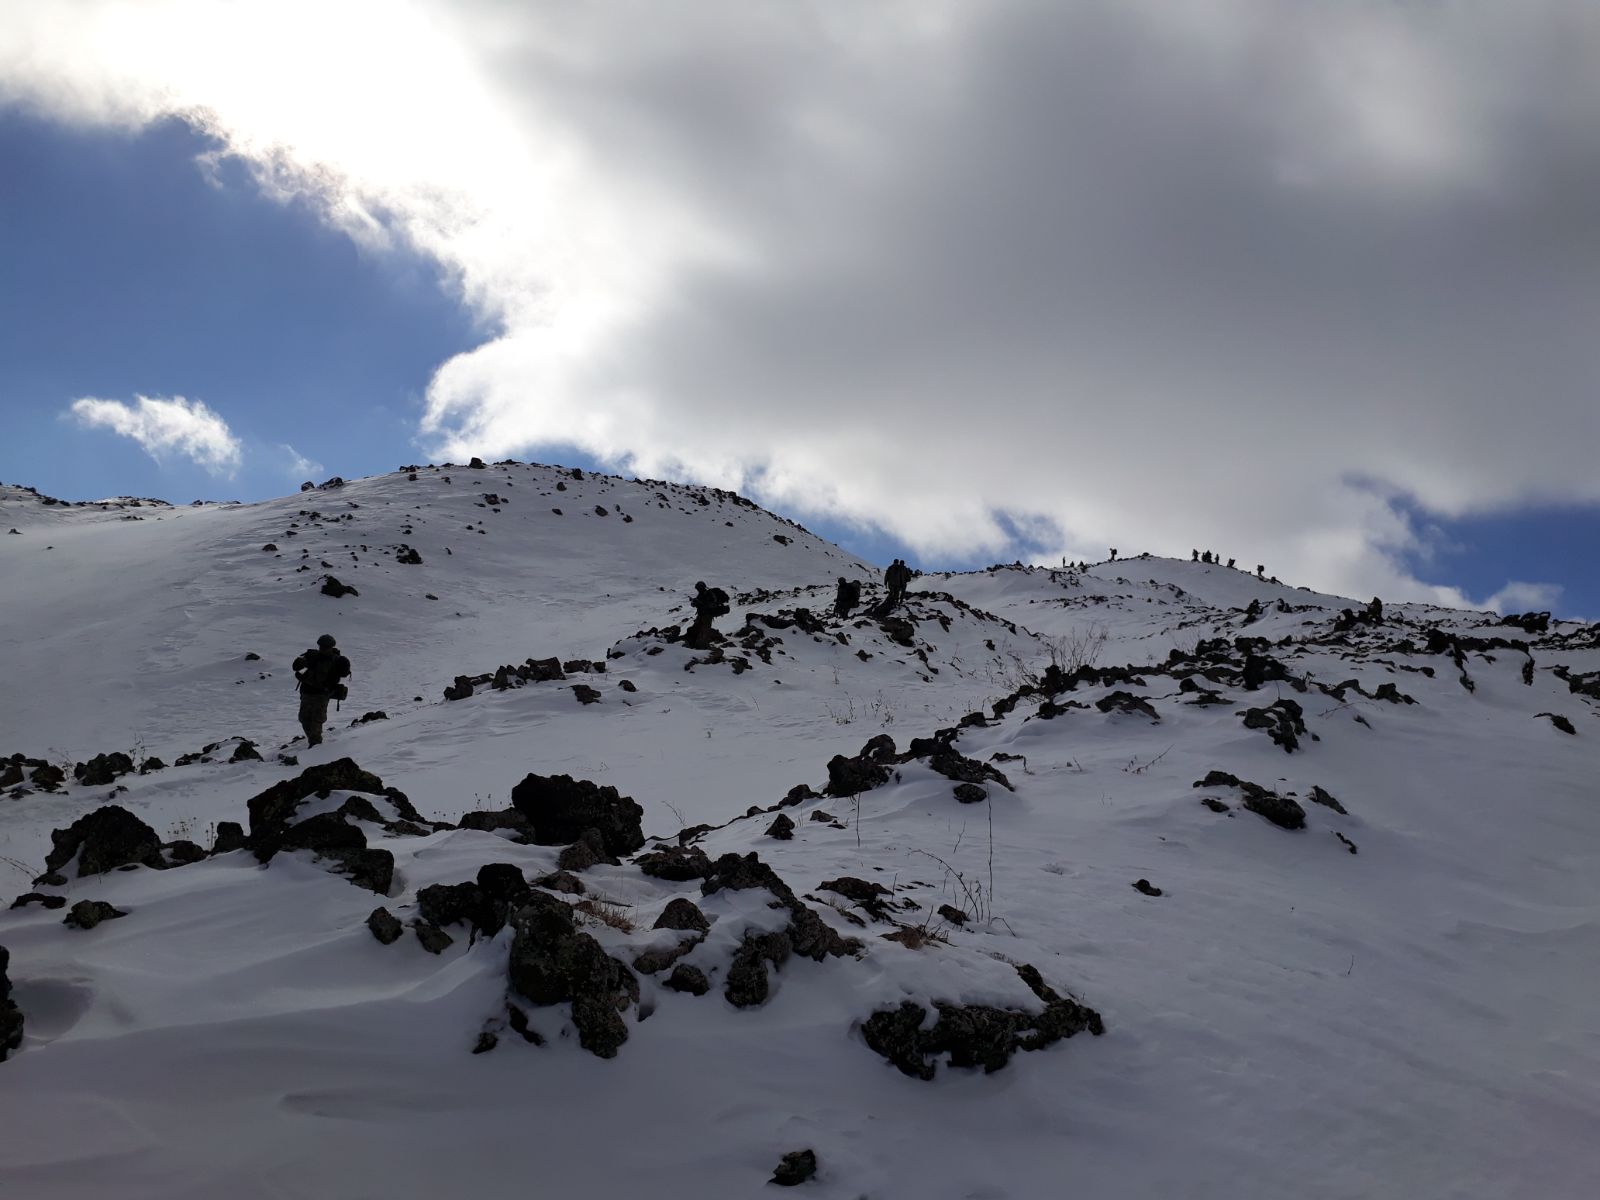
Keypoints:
pixel 1150 275
pixel 162 426
pixel 297 465
pixel 1518 596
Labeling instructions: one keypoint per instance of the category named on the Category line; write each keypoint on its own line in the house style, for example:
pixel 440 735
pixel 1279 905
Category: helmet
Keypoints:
pixel 326 641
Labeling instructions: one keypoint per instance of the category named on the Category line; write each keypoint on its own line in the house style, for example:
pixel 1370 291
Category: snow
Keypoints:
pixel 1287 1018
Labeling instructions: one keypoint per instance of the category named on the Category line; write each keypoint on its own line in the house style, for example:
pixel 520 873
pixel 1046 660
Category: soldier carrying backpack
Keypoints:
pixel 317 674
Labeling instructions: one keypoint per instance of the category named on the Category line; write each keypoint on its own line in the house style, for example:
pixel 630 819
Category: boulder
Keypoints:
pixel 561 809
pixel 102 769
pixel 107 838
pixel 86 914
pixel 682 913
pixel 975 1035
pixel 385 926
pixel 552 961
pixel 795 1167
pixel 781 828
pixel 685 978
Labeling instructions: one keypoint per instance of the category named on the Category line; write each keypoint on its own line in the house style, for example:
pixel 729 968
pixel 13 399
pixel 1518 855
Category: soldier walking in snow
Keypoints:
pixel 317 674
pixel 709 604
pixel 895 579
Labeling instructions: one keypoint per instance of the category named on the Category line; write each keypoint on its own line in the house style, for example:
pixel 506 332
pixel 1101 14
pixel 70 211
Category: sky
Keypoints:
pixel 1309 285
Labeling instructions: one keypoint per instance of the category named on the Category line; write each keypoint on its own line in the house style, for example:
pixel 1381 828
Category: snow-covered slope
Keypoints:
pixel 142 617
pixel 1389 997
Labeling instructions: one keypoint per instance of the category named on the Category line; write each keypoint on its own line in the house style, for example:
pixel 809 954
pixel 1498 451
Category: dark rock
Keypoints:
pixel 103 840
pixel 1127 702
pixel 627 685
pixel 685 978
pixel 331 586
pixel 584 853
pixel 1260 669
pixel 659 958
pixel 1280 810
pixel 102 769
pixel 564 882
pixel 11 1018
pixel 369 717
pixel 385 926
pixel 370 869
pixel 460 689
pixel 1318 796
pixel 862 891
pixel 230 837
pixel 746 984
pixel 852 776
pixel 504 818
pixel 1214 804
pixel 551 961
pixel 682 913
pixel 1145 886
pixel 798 1165
pixel 585 693
pixel 798 794
pixel 86 914
pixel 954 915
pixel 781 828
pixel 434 940
pixel 676 864
pixel 1348 844
pixel 151 764
pixel 245 751
pixel 47 777
pixel 561 809
pixel 1560 722
pixel 970 793
pixel 182 852
pixel 975 1035
pixel 39 898
pixel 1283 719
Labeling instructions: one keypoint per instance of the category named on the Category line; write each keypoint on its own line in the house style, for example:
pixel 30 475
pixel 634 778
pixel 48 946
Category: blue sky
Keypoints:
pixel 129 271
pixel 1131 283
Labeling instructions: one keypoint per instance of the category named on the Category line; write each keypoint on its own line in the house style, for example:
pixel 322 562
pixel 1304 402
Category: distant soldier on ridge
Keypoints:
pixel 709 604
pixel 317 674
pixel 895 579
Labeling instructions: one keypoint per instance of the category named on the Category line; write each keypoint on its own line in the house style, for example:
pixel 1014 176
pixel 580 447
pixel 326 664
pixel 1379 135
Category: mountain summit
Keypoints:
pixel 1146 878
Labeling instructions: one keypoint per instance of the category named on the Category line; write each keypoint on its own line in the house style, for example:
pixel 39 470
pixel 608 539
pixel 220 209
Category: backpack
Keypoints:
pixel 322 672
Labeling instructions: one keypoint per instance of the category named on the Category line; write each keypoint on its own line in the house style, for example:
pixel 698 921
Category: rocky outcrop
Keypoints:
pixel 975 1035
pixel 553 962
pixel 806 934
pixel 86 914
pixel 276 824
pixel 560 809
pixel 1282 811
pixel 795 1167
pixel 101 841
pixel 103 769
pixel 1284 721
